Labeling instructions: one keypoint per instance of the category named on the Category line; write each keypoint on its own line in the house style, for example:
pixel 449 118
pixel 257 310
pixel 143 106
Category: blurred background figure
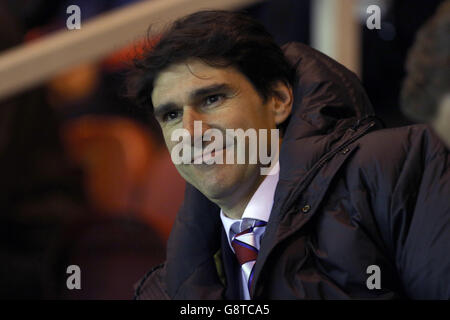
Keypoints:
pixel 426 89
pixel 85 177
pixel 69 189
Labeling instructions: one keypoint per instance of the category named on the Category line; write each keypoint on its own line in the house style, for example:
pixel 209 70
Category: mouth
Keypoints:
pixel 205 156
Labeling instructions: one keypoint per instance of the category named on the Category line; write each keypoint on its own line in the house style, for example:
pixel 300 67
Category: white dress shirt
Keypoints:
pixel 259 208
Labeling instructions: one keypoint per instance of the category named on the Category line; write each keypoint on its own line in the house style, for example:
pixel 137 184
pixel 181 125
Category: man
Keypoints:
pixel 426 89
pixel 345 213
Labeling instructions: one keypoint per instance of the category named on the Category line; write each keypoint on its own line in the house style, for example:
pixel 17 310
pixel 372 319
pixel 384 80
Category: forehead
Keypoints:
pixel 178 80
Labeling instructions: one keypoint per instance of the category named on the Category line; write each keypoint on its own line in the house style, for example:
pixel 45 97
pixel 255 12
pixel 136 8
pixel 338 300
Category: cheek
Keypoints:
pixel 256 114
pixel 245 115
pixel 169 144
pixel 167 134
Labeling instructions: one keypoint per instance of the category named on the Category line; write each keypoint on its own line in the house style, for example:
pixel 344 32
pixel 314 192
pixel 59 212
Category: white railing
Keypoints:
pixel 32 63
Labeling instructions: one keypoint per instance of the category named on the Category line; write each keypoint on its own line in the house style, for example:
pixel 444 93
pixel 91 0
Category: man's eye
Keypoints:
pixel 171 115
pixel 213 99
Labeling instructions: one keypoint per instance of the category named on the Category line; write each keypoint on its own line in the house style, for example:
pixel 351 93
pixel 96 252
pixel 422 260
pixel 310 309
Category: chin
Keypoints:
pixel 221 181
pixel 218 186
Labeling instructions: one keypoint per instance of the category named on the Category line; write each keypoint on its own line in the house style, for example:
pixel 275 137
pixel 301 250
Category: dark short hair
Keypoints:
pixel 220 39
pixel 428 65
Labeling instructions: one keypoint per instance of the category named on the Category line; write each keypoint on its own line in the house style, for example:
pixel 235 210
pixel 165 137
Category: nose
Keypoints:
pixel 194 122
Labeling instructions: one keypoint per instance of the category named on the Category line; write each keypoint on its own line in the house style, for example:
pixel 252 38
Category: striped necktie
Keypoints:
pixel 246 249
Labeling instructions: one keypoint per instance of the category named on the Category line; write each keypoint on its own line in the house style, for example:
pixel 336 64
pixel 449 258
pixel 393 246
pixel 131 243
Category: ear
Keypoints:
pixel 282 100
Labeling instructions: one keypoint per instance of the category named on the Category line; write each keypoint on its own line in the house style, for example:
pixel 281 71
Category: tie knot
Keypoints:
pixel 248 227
pixel 244 243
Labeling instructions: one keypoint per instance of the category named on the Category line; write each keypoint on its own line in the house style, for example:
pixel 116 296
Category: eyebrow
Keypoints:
pixel 194 95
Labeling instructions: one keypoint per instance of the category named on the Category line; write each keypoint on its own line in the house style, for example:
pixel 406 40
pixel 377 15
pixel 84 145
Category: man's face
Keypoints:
pixel 222 98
